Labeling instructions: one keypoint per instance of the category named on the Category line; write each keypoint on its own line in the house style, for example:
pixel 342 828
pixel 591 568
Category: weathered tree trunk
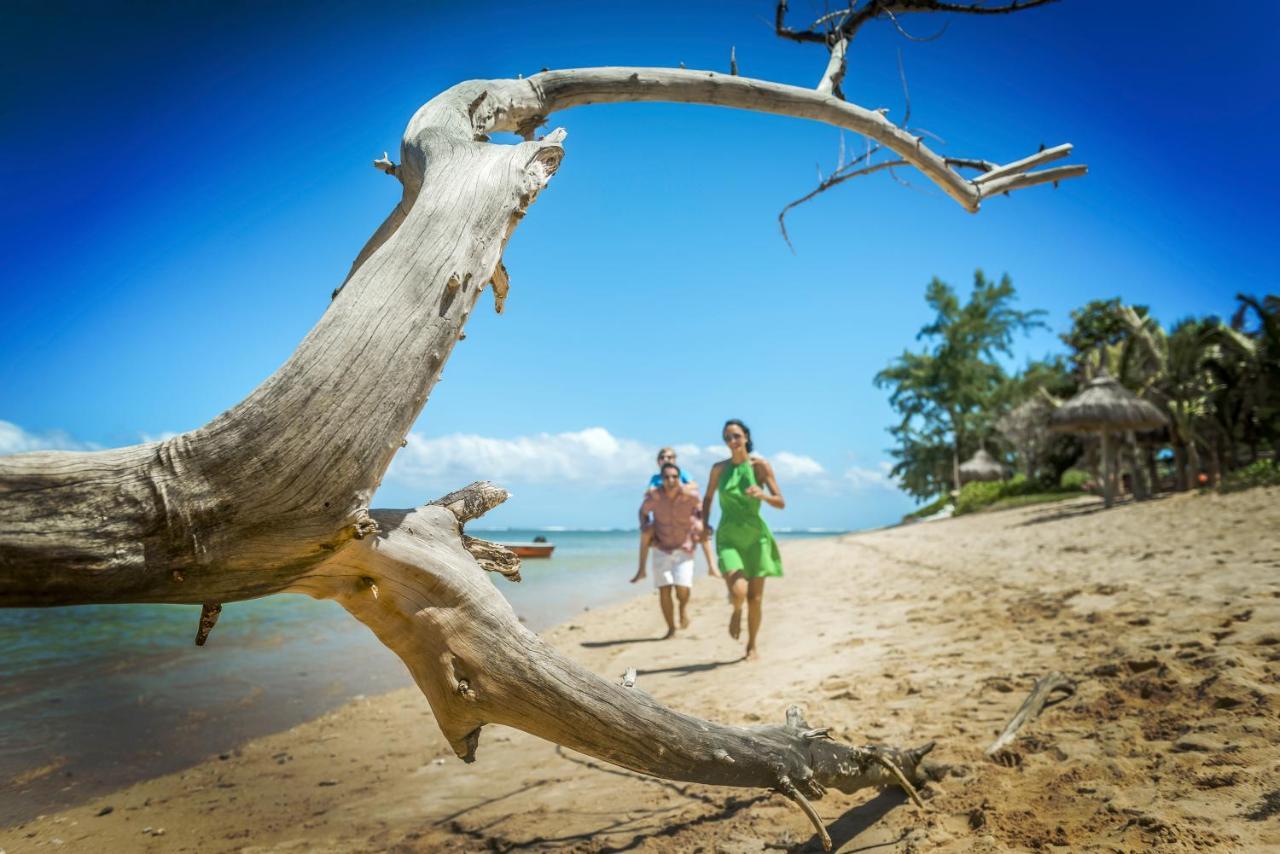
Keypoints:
pixel 1134 463
pixel 273 495
pixel 1108 470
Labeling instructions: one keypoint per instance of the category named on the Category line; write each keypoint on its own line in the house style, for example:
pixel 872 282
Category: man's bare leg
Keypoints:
pixel 737 596
pixel 682 595
pixel 646 539
pixel 755 609
pixel 668 609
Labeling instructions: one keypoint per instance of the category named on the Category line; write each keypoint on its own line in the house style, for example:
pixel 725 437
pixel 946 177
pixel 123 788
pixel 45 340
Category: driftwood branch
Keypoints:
pixel 478 665
pixel 273 495
pixel 1041 697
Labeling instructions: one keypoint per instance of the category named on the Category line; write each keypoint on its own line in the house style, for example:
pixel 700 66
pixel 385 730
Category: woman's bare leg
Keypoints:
pixel 737 596
pixel 755 609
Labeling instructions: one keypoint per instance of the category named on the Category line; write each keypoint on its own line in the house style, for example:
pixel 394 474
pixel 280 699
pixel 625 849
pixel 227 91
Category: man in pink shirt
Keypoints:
pixel 673 514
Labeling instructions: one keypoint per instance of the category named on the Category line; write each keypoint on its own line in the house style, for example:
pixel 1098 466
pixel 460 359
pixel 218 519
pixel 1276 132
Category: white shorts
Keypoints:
pixel 672 568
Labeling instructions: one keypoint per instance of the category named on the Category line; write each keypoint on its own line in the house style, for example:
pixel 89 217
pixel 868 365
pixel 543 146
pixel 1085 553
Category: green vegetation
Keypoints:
pixel 1017 491
pixel 946 393
pixel 1261 473
pixel 1074 480
pixel 1218 384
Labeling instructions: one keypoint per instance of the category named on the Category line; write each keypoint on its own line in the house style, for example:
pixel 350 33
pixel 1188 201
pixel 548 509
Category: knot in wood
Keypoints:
pixel 364 525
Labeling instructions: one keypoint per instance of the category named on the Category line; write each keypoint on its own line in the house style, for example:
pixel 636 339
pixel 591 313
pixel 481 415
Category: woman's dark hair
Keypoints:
pixel 745 429
pixel 666 466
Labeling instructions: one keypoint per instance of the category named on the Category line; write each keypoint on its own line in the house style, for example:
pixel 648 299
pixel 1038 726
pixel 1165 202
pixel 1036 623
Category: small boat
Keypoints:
pixel 530 549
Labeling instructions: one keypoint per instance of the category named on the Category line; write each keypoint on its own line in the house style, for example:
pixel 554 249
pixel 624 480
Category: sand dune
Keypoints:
pixel 1165 612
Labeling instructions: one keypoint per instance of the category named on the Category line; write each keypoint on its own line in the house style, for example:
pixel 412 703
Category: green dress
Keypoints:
pixel 743 540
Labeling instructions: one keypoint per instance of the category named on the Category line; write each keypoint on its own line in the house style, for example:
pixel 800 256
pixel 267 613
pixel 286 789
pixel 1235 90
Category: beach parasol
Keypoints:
pixel 982 466
pixel 1105 407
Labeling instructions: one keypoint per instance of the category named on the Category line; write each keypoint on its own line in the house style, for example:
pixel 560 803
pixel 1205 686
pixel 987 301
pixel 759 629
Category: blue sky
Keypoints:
pixel 182 186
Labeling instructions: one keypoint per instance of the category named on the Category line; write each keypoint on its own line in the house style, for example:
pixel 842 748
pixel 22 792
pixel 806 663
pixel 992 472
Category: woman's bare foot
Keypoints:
pixel 735 623
pixel 751 655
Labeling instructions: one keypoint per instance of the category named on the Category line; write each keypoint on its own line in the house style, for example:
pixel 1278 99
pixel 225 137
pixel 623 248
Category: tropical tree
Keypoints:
pixel 1171 368
pixel 1259 350
pixel 1098 329
pixel 948 391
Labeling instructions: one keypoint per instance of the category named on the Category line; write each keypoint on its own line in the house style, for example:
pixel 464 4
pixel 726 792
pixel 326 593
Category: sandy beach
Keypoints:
pixel 1165 613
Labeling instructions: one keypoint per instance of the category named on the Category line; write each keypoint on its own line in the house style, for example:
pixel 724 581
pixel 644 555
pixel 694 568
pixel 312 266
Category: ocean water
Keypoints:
pixel 96 697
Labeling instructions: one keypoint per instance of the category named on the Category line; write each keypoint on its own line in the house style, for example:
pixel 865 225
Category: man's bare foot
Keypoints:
pixel 671 632
pixel 639 575
pixel 684 620
pixel 735 624
pixel 751 655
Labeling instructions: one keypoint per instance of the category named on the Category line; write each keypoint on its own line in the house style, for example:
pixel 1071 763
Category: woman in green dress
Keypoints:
pixel 745 548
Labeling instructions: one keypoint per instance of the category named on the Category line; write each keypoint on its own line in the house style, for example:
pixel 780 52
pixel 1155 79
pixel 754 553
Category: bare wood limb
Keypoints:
pixel 629 678
pixel 1010 183
pixel 1041 697
pixel 1047 155
pixel 847 21
pixel 787 788
pixel 900 777
pixel 834 73
pixel 209 614
pixel 384 164
pixel 493 557
pixel 473 501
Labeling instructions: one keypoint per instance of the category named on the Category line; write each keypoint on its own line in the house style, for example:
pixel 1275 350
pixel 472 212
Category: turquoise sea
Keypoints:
pixel 96 697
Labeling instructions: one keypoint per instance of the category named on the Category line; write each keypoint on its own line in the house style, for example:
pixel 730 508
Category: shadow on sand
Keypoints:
pixel 848 826
pixel 618 642
pixel 686 669
pixel 1077 511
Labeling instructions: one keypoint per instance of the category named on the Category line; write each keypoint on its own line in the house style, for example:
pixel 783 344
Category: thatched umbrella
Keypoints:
pixel 982 466
pixel 1106 407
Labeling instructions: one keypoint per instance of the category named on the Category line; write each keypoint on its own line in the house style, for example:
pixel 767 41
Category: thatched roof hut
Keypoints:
pixel 1105 407
pixel 982 466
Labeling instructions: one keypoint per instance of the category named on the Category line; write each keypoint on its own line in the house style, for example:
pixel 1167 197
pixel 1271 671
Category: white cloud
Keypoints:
pixel 593 454
pixel 860 477
pixel 15 440
pixel 789 466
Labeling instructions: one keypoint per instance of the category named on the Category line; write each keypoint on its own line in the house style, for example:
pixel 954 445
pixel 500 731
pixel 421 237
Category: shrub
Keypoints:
pixel 978 494
pixel 1261 473
pixel 1074 479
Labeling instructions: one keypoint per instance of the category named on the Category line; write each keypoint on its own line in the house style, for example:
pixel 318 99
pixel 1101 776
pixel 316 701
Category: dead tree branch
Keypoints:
pixel 273 495
pixel 1040 698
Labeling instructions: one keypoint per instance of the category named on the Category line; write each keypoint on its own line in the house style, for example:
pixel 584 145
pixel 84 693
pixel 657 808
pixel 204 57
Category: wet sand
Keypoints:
pixel 1166 613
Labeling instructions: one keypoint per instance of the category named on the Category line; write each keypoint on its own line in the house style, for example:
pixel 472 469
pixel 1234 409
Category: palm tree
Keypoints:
pixel 1170 369
pixel 1260 349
